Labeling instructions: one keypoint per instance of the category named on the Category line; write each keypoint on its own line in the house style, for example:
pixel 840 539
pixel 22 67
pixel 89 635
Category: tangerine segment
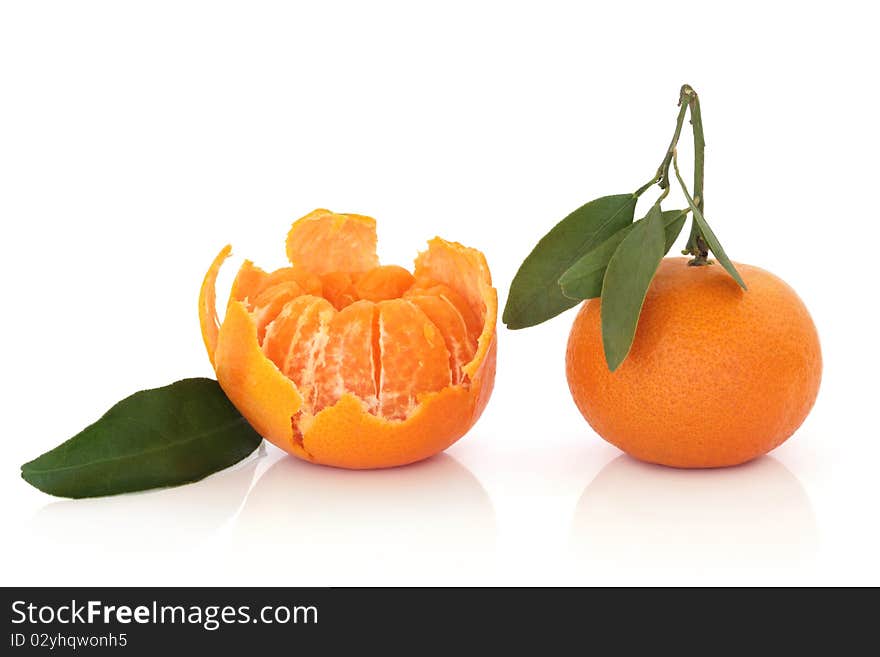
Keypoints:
pixel 448 319
pixel 295 342
pixel 460 268
pixel 307 280
pixel 465 271
pixel 324 242
pixel 286 328
pixel 384 282
pixel 348 365
pixel 269 303
pixel 431 288
pixel 248 281
pixel 413 358
pixel 339 289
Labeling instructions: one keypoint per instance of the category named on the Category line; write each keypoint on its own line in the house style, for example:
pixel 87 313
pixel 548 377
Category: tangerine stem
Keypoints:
pixel 663 170
pixel 696 244
pixel 662 176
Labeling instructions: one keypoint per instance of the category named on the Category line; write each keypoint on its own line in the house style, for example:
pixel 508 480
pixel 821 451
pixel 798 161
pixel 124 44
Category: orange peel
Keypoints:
pixel 345 362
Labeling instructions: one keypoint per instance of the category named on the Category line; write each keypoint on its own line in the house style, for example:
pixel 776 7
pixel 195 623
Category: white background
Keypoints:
pixel 137 138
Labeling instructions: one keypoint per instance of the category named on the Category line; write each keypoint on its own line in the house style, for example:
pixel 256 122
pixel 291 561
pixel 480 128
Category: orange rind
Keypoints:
pixel 345 362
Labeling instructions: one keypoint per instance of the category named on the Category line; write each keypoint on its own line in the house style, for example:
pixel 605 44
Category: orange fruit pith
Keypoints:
pixel 716 375
pixel 342 361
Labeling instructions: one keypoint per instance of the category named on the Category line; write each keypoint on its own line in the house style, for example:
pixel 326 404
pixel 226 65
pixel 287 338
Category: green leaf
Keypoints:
pixel 673 222
pixel 627 278
pixel 162 437
pixel 711 240
pixel 535 295
pixel 583 280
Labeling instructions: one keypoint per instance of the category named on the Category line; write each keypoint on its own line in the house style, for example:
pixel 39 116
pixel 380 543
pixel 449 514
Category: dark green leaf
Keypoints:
pixel 583 280
pixel 673 222
pixel 711 241
pixel 535 295
pixel 627 278
pixel 162 437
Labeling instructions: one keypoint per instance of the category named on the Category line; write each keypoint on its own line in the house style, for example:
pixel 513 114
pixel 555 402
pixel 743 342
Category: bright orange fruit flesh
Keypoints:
pixel 345 362
pixel 716 376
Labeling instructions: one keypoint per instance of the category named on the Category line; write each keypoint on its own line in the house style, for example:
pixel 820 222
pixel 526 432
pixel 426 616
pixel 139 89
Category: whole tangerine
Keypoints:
pixel 716 375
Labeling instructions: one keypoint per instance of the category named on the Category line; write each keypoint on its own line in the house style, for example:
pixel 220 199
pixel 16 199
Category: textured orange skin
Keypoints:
pixel 716 376
pixel 345 435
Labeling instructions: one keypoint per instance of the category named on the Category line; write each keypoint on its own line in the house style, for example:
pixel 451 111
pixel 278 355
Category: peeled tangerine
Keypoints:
pixel 345 362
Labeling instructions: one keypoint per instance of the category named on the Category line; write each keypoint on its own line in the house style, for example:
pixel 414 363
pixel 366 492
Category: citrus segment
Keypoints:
pixel 472 322
pixel 324 242
pixel 462 269
pixel 339 289
pixel 248 281
pixel 384 282
pixel 348 363
pixel 447 318
pixel 269 303
pixel 295 341
pixel 307 280
pixel 286 328
pixel 465 271
pixel 412 355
